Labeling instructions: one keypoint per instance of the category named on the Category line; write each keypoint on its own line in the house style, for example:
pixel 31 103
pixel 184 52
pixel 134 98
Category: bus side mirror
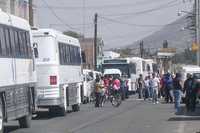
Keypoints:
pixel 35 50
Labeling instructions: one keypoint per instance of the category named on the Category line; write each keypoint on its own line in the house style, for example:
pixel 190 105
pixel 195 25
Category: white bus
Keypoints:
pixel 58 66
pixel 18 76
pixel 127 69
pixel 141 66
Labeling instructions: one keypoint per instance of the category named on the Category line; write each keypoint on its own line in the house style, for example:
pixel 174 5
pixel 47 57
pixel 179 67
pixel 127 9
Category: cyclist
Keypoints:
pixel 116 83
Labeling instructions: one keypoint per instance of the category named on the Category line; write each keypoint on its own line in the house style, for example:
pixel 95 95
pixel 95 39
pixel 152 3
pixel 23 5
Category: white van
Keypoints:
pixel 58 66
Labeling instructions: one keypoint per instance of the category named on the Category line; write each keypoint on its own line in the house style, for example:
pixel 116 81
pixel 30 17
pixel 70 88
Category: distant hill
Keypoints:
pixel 173 33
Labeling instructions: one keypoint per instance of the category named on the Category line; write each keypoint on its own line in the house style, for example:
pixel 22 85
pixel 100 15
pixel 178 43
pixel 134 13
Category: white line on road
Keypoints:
pixel 181 128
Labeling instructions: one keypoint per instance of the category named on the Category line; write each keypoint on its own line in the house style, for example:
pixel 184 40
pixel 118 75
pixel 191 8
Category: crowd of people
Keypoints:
pixel 170 87
pixel 153 87
pixel 109 84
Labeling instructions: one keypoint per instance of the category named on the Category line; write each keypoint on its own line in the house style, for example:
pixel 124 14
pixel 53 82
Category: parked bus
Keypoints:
pixel 18 76
pixel 58 66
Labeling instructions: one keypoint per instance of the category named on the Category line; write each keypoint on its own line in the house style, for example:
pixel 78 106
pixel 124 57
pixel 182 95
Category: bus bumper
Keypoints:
pixel 49 102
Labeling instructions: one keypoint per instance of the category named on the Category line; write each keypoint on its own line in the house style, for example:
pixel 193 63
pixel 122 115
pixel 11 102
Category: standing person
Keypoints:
pixel 162 86
pixel 168 81
pixel 155 84
pixel 140 86
pixel 98 90
pixel 191 87
pixel 102 91
pixel 146 87
pixel 178 87
pixel 123 87
pixel 188 87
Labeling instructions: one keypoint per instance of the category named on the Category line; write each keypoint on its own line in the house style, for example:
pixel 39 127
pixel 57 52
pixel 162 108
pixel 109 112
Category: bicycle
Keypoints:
pixel 114 96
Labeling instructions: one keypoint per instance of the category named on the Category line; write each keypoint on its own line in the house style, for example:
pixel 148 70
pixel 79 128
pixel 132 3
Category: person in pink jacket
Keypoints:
pixel 116 84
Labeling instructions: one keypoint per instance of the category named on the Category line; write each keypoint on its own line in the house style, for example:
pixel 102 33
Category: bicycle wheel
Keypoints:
pixel 116 100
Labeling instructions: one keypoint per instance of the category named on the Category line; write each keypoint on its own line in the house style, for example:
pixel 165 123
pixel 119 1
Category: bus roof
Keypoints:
pixel 112 71
pixel 11 20
pixel 57 34
pixel 189 69
pixel 135 59
pixel 115 61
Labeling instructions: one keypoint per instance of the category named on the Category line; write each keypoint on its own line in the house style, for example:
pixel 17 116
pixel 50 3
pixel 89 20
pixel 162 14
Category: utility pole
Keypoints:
pixel 141 48
pixel 197 13
pixel 95 40
pixel 31 20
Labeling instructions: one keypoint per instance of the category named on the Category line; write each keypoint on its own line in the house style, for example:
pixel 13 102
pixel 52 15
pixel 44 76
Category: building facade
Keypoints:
pixel 87 46
pixel 16 7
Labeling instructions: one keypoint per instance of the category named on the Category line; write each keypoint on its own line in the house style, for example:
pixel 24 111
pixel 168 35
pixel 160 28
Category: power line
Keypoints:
pixel 54 13
pixel 160 7
pixel 100 7
pixel 132 24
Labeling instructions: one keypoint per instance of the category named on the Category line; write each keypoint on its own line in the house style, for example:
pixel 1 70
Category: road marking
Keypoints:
pixel 181 127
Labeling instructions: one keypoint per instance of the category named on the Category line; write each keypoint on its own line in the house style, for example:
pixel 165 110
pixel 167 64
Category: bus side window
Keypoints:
pixel 35 50
pixel 3 44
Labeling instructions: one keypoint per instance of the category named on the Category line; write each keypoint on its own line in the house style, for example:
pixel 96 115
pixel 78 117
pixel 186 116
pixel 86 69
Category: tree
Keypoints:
pixel 73 34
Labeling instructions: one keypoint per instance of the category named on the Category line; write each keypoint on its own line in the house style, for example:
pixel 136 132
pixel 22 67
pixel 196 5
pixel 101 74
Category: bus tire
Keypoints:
pixel 1 118
pixel 62 111
pixel 25 122
pixel 75 107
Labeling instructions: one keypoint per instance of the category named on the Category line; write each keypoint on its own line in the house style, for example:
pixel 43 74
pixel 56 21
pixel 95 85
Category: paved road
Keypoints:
pixel 133 116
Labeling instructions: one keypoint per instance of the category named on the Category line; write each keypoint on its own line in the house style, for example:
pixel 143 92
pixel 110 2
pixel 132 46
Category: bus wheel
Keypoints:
pixel 62 111
pixel 25 122
pixel 1 118
pixel 57 111
pixel 75 107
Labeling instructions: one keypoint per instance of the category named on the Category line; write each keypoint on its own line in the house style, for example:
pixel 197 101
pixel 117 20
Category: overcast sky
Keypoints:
pixel 120 22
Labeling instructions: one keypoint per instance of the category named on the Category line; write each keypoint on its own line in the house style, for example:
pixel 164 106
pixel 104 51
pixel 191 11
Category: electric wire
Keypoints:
pixel 102 6
pixel 60 19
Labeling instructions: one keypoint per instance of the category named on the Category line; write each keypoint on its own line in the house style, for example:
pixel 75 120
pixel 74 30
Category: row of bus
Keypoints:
pixel 130 69
pixel 41 68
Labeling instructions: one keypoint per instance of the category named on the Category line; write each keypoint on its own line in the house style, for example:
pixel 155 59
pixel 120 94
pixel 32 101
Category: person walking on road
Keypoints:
pixel 155 84
pixel 178 87
pixel 140 86
pixel 168 83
